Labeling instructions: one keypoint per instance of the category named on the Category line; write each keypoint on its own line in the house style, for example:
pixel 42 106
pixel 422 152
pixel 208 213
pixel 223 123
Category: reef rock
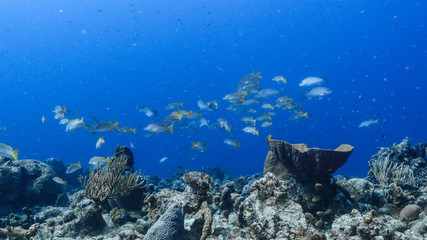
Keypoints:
pixel 34 179
pixel 309 164
pixel 170 226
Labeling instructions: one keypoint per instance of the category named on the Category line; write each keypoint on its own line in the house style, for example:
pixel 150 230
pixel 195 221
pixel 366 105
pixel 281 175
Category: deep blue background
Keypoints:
pixel 102 58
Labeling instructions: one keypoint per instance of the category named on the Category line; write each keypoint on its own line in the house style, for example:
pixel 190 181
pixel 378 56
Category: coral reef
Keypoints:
pixel 34 179
pixel 192 205
pixel 309 164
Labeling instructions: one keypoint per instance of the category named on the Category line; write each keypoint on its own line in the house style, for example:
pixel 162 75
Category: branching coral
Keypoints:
pixel 387 171
pixel 110 181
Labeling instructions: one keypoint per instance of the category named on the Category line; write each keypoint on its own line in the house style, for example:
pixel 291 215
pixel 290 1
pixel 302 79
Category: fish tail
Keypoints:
pixel 284 80
pixel 257 132
pixel 377 121
pixel 238 144
pixel 193 144
pixel 81 120
pixel 15 154
pixel 79 165
pixel 134 130
pixel 229 128
pixel 116 125
pixel 170 128
pixel 65 182
pixel 254 121
pixel 258 75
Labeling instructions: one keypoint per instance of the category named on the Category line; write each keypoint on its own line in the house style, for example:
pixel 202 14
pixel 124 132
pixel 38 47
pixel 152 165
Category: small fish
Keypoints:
pixel 173 106
pixel 99 142
pixel 232 142
pixel 267 106
pixel 7 151
pixel 368 123
pixel 299 115
pixel 127 130
pixel 59 180
pixel 224 124
pixel 318 92
pixel 64 121
pixel 249 120
pixel 203 122
pixel 250 102
pixel 265 93
pixel 73 167
pixel 163 159
pixel 235 97
pixel 159 128
pixel 59 109
pixel 98 161
pixel 266 124
pixel 311 81
pixel 279 79
pixel 176 116
pixel 211 106
pixel 200 146
pixel 43 120
pixel 251 130
pixel 132 145
pixel 263 117
pixel 59 115
pixel 105 127
pixel 284 99
pixel 252 111
pixel 148 111
pixel 74 124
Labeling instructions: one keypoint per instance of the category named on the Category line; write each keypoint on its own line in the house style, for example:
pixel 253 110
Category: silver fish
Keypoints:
pixel 318 92
pixel 148 111
pixel 311 81
pixel 368 123
pixel 265 93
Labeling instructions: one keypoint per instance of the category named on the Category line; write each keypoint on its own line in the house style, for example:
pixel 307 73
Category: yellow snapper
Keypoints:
pixel 99 142
pixel 59 180
pixel 232 142
pixel 200 146
pixel 105 127
pixel 159 128
pixel 73 167
pixel 299 115
pixel 174 106
pixel 267 106
pixel 74 124
pixel 251 130
pixel 224 124
pixel 266 124
pixel 279 79
pixel 127 130
pixel 7 151
pixel 98 161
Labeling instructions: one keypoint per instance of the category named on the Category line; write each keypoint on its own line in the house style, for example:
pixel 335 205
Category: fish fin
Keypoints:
pixel 134 130
pixel 170 128
pixel 79 165
pixel 15 154
pixel 238 144
pixel 193 145
pixel 257 132
pixel 254 121
pixel 229 128
pixel 306 115
pixel 284 80
pixel 65 182
pixel 257 85
pixel 377 121
pixel 116 125
pixel 258 75
pixel 81 120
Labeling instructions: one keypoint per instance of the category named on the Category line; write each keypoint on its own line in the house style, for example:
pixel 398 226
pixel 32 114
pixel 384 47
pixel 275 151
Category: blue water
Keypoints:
pixel 102 58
